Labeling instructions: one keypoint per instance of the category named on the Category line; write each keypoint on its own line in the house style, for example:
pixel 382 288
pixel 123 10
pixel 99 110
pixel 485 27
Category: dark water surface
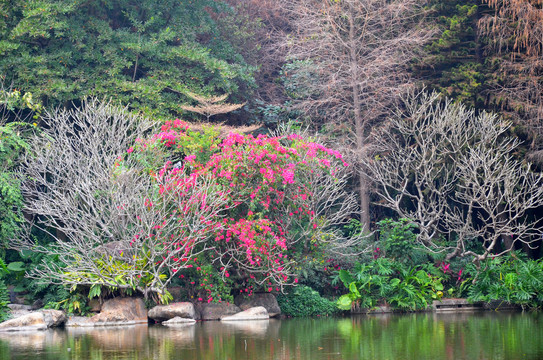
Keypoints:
pixel 485 335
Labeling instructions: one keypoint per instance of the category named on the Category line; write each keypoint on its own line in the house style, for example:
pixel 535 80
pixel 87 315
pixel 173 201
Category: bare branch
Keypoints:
pixel 113 223
pixel 349 63
pixel 453 174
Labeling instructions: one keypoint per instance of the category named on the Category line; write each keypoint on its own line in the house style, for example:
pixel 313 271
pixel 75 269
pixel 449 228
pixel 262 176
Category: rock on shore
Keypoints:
pixel 37 320
pixel 254 313
pixel 166 312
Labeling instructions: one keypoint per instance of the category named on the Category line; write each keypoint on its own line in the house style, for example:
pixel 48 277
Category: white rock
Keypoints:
pixel 178 321
pixel 254 313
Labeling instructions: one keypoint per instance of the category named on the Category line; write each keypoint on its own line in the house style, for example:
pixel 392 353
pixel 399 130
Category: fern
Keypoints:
pixel 386 280
pixel 512 279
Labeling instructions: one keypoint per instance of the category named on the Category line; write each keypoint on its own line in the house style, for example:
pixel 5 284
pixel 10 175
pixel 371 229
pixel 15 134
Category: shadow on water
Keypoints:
pixel 482 335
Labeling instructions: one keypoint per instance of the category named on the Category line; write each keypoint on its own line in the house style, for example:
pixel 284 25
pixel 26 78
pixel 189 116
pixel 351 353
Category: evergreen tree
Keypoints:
pixel 146 53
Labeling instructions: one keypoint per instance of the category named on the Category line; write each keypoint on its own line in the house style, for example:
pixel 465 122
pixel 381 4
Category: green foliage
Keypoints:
pixel 205 282
pixel 453 66
pixel 12 145
pixel 511 279
pixel 13 101
pixel 4 294
pixel 415 289
pixel 398 241
pixel 385 280
pixel 15 108
pixel 120 272
pixel 49 293
pixel 354 227
pixel 73 304
pixel 304 301
pixel 203 144
pixel 4 301
pixel 461 289
pixel 11 202
pixel 142 53
pixel 314 270
pixel 296 75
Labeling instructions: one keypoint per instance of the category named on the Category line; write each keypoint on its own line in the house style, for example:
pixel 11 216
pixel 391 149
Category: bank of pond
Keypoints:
pixel 473 335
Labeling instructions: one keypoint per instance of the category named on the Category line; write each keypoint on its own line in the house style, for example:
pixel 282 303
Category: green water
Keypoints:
pixel 484 335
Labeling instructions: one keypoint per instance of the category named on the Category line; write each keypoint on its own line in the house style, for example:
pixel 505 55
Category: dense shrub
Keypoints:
pixel 304 301
pixel 386 281
pixel 511 279
pixel 4 301
pixel 398 241
pixel 4 294
pixel 215 215
pixel 274 188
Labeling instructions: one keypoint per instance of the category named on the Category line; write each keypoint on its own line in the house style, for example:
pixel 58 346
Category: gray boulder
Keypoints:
pixel 216 311
pixel 53 318
pixel 255 313
pixel 265 300
pixel 29 322
pixel 36 320
pixel 167 312
pixel 115 312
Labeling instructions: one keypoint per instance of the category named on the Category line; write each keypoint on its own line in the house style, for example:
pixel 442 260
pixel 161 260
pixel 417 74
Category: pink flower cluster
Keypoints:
pixel 265 182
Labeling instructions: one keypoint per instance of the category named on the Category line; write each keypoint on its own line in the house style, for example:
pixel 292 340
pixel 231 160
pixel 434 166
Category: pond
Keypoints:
pixel 485 335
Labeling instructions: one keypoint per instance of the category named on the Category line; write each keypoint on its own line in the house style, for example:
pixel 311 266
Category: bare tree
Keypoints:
pixel 515 34
pixel 454 175
pixel 349 64
pixel 113 224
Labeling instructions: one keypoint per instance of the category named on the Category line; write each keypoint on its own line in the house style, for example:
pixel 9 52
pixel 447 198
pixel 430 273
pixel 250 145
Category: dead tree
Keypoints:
pixel 349 63
pixel 514 31
pixel 453 173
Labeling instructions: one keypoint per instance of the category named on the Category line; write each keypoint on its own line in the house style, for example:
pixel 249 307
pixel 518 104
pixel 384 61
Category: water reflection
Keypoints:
pixel 182 335
pixel 34 340
pixel 250 328
pixel 124 338
pixel 418 336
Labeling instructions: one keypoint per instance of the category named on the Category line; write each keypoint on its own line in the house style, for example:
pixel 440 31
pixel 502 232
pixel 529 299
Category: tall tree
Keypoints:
pixel 146 53
pixel 454 64
pixel 349 62
pixel 514 34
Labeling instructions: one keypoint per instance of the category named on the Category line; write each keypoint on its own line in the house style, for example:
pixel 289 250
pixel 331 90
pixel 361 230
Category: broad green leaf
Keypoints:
pixel 16 266
pixel 344 302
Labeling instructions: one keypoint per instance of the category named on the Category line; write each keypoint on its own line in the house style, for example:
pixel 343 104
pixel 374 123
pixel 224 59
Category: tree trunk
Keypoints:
pixel 363 188
pixel 364 194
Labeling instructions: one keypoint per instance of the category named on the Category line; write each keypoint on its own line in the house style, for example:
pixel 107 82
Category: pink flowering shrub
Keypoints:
pixel 272 214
